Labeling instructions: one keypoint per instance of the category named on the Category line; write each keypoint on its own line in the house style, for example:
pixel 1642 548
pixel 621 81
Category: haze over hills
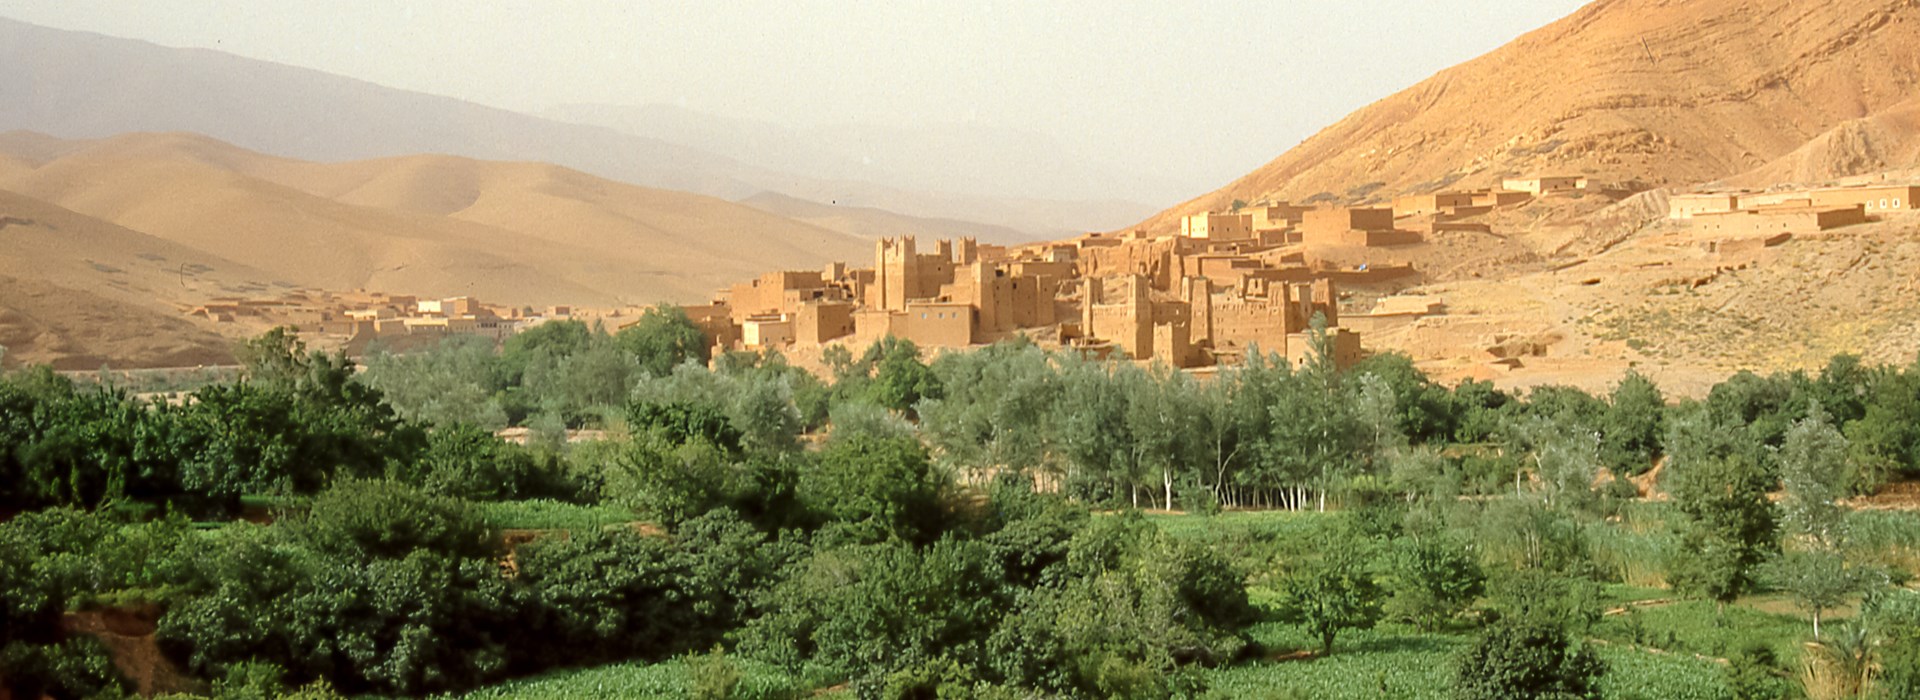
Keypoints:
pixel 522 233
pixel 82 85
pixel 1652 91
pixel 969 159
pixel 872 223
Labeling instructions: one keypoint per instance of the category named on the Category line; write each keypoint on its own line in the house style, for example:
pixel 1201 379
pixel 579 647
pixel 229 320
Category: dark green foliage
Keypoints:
pixel 413 624
pixel 1631 427
pixel 384 519
pixel 619 594
pixel 1540 598
pixel 890 374
pixel 1480 409
pixel 1131 607
pixel 1027 532
pixel 1528 660
pixel 1885 439
pixel 683 423
pixel 68 670
pixel 663 339
pixel 297 422
pixel 1728 530
pixel 1759 409
pixel 1755 673
pixel 467 462
pixel 553 339
pixel 886 486
pixel 871 610
pixel 1424 411
pixel 380 588
pixel 1567 408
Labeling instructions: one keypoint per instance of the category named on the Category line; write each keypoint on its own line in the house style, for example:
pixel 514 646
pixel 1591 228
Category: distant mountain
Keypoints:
pixel 82 85
pixel 1654 91
pixel 879 223
pixel 526 233
pixel 968 159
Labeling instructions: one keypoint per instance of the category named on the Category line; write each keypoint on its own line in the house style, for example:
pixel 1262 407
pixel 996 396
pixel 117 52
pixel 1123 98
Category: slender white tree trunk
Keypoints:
pixel 1166 476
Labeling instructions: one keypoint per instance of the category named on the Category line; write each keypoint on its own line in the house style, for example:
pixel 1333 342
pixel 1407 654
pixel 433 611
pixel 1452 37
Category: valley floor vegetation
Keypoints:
pixel 1001 523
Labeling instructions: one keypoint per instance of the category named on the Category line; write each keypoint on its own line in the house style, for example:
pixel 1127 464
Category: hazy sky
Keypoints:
pixel 1198 91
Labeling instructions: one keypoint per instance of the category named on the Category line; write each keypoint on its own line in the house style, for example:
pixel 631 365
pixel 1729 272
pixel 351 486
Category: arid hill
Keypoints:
pixel 1660 92
pixel 1887 141
pixel 432 225
pixel 79 293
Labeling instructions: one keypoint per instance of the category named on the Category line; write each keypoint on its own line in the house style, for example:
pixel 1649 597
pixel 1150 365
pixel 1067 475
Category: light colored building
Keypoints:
pixel 763 332
pixel 1774 220
pixel 1687 206
pixel 1217 227
pixel 1542 186
pixel 1416 205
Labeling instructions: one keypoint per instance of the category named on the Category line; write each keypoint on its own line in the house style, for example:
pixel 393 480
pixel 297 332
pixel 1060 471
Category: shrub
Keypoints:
pixel 1527 660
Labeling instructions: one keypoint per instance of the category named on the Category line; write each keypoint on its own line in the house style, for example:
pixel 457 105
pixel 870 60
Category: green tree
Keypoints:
pixel 1755 673
pixel 1819 579
pixel 1330 593
pixel 1542 598
pixel 900 379
pixel 452 383
pixel 1727 529
pixel 1432 578
pixel 866 611
pixel 1813 470
pixel 664 338
pixel 884 484
pixel 468 462
pixel 1630 429
pixel 1527 660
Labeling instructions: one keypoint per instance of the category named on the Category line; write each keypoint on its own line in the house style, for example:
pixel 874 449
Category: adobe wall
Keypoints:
pixel 1414 205
pixel 1874 200
pixel 1364 238
pixel 817 323
pixel 1346 348
pixel 1239 322
pixel 1324 222
pixel 1155 260
pixel 939 325
pixel 1277 216
pixel 1217 227
pixel 1687 206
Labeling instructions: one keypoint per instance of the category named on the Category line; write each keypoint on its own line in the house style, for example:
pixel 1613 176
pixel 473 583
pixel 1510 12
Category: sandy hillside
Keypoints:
pixel 1887 141
pixel 1660 92
pixel 430 225
pixel 77 292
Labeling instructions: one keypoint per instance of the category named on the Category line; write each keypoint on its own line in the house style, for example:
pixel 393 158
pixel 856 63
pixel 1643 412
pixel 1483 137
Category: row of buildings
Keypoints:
pixel 1750 213
pixel 358 319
